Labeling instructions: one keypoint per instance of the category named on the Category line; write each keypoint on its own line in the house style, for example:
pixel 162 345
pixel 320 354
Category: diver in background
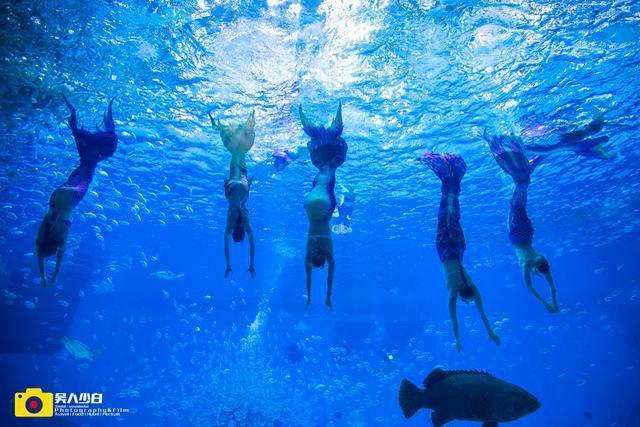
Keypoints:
pixel 238 139
pixel 54 229
pixel 579 142
pixel 342 222
pixel 509 152
pixel 282 158
pixel 328 150
pixel 450 242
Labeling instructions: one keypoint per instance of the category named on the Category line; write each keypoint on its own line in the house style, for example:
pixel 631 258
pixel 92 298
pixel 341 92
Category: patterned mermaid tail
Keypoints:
pixel 450 168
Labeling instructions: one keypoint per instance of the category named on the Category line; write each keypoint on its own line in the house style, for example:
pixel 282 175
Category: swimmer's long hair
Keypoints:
pixel 467 294
pixel 318 261
pixel 47 246
pixel 46 243
pixel 238 231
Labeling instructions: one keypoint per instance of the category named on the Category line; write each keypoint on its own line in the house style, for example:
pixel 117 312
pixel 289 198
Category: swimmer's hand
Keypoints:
pixel 227 271
pixel 459 346
pixel 552 308
pixel 308 303
pixel 495 338
pixel 43 282
pixel 328 302
pixel 252 271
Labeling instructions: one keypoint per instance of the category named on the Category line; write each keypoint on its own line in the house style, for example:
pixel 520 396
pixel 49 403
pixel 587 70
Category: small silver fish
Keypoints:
pixel 167 275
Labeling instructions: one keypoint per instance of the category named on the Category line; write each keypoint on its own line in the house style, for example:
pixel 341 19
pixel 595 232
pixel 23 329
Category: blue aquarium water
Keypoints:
pixel 141 319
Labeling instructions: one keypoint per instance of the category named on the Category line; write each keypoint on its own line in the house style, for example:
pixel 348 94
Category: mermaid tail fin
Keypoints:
pixel 593 148
pixel 450 168
pixel 109 125
pixel 533 163
pixel 96 146
pixel 73 118
pixel 326 147
pixel 508 150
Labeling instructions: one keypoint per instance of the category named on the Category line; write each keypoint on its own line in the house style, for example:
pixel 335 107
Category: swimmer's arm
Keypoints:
pixel 39 239
pixel 307 266
pixel 252 253
pixel 59 256
pixel 332 265
pixel 226 188
pixel 226 253
pixel 478 300
pixel 526 268
pixel 43 279
pixel 454 318
pixel 552 286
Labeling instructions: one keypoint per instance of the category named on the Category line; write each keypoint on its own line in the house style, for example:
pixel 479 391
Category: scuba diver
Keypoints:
pixel 54 229
pixel 509 152
pixel 238 139
pixel 579 142
pixel 328 150
pixel 450 242
pixel 344 210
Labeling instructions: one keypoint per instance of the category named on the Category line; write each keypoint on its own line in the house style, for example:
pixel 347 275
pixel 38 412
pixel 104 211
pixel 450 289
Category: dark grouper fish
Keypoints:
pixel 467 396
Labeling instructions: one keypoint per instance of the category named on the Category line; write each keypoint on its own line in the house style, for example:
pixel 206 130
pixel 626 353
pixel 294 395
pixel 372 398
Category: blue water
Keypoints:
pixel 200 350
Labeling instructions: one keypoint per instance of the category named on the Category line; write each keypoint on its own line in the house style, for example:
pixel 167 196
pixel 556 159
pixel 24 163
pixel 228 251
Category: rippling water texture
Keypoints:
pixel 412 76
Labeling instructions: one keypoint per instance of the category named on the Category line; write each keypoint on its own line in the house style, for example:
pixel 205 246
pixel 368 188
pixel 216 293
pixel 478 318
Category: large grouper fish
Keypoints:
pixel 467 396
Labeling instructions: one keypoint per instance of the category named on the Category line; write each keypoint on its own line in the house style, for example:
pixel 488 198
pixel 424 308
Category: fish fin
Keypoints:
pixel 490 424
pixel 435 376
pixel 410 398
pixel 438 375
pixel 438 419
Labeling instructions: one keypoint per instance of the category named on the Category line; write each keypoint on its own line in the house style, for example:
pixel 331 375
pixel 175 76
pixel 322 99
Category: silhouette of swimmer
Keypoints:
pixel 238 139
pixel 578 141
pixel 450 241
pixel 282 158
pixel 54 229
pixel 510 154
pixel 328 150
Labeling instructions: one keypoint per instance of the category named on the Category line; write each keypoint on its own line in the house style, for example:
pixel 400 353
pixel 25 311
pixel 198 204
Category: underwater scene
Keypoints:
pixel 320 213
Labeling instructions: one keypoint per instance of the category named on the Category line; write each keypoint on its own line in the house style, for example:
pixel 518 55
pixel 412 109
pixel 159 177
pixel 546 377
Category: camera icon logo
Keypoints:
pixel 33 403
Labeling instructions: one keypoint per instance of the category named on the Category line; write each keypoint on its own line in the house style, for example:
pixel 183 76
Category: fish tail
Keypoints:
pixel 410 397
